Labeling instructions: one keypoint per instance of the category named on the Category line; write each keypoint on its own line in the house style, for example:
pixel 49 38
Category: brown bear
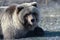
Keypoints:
pixel 18 20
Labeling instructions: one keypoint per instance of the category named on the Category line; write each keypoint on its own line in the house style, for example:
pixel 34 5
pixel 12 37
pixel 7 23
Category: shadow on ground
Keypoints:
pixel 51 34
pixel 46 34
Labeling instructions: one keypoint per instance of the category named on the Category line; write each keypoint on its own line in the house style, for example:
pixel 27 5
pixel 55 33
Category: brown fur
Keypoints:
pixel 16 20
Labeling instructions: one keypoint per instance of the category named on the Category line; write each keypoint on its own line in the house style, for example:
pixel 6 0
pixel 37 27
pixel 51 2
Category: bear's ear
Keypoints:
pixel 11 9
pixel 34 4
pixel 19 8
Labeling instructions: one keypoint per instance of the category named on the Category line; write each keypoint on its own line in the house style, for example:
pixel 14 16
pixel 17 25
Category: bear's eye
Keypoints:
pixel 26 15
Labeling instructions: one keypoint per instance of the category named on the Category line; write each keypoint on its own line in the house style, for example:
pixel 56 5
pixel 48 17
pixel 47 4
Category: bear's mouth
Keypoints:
pixel 29 26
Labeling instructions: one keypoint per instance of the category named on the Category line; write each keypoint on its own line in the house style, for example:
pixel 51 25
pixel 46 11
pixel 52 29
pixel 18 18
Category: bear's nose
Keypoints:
pixel 32 20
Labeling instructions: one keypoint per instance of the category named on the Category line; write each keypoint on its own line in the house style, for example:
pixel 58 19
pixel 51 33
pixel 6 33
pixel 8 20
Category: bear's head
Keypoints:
pixel 27 14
